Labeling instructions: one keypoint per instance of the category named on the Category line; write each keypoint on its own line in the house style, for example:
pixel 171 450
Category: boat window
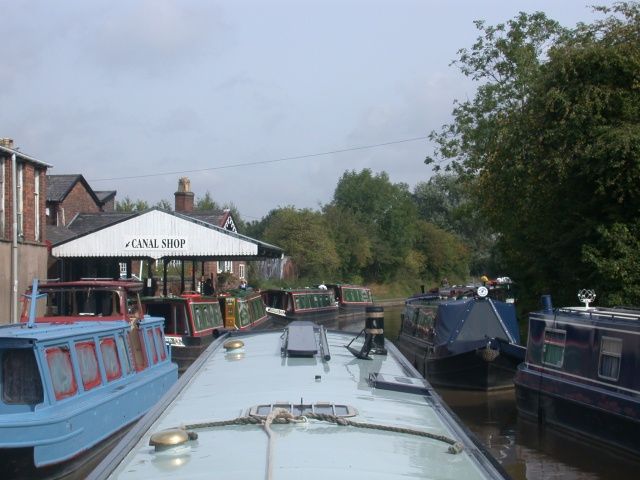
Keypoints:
pixel 243 314
pixel 162 349
pixel 424 323
pixel 553 349
pixel 110 358
pixel 610 356
pixel 136 343
pixel 21 382
pixel 216 314
pixel 152 345
pixel 124 353
pixel 62 376
pixel 88 361
pixel 302 409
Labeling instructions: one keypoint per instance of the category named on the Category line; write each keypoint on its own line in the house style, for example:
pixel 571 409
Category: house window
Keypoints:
pixel 36 205
pixel 553 348
pixel 20 199
pixel 610 356
pixel 241 270
pixel 225 266
pixel 123 269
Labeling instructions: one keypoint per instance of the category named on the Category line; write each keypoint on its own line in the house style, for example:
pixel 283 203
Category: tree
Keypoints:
pixel 128 205
pixel 447 202
pixel 206 203
pixel 164 205
pixel 552 143
pixel 387 213
pixel 440 254
pixel 303 234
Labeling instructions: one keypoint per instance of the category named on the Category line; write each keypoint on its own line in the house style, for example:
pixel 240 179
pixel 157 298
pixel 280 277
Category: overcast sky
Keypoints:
pixel 118 90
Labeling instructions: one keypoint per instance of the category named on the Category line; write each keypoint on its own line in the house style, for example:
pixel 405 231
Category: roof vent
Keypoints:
pixel 398 383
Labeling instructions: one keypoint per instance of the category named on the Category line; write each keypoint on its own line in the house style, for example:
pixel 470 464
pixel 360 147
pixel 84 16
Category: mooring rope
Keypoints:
pixel 282 416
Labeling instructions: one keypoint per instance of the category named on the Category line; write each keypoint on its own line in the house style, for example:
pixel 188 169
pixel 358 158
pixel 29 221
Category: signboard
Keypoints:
pixel 155 243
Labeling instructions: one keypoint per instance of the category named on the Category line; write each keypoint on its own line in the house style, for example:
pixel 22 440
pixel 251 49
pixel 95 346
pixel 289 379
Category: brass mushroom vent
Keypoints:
pixel 233 344
pixel 172 437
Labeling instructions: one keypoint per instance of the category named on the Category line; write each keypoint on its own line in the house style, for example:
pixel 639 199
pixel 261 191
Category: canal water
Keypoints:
pixel 525 450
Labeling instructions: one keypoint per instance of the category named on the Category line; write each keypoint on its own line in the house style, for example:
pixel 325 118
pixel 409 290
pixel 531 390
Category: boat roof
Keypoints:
pixel 94 283
pixel 57 330
pixel 620 316
pixel 225 384
pixel 296 290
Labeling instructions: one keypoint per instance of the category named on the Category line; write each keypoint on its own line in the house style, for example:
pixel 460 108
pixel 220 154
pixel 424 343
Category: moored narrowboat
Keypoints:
pixel 468 343
pixel 289 304
pixel 581 373
pixel 192 321
pixel 86 299
pixel 242 309
pixel 351 298
pixel 71 387
pixel 305 407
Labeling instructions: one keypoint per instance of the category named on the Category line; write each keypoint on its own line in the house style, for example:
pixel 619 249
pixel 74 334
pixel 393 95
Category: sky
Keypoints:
pixel 246 98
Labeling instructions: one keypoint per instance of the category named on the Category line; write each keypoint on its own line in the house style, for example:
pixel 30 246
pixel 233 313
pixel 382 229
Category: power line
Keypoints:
pixel 262 162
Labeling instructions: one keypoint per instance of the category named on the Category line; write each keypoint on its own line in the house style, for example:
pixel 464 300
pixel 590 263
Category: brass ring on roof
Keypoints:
pixel 233 344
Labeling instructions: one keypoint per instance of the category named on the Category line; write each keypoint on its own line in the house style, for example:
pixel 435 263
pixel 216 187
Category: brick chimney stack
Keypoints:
pixel 7 143
pixel 184 196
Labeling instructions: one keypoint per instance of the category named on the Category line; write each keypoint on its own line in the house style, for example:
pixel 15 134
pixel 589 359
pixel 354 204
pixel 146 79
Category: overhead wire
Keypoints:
pixel 262 162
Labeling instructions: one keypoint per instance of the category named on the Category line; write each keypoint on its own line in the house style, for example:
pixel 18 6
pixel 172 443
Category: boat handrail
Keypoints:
pixel 601 313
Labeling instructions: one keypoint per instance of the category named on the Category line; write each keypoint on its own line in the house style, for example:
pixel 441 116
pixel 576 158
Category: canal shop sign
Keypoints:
pixel 156 243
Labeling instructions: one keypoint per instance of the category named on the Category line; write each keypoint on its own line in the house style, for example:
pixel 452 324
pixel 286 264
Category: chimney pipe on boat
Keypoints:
pixel 547 306
pixel 373 334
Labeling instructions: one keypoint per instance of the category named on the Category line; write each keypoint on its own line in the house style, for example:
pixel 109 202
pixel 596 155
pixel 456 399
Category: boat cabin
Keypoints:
pixel 86 299
pixel 295 304
pixel 242 309
pixel 351 297
pixel 67 386
pixel 581 373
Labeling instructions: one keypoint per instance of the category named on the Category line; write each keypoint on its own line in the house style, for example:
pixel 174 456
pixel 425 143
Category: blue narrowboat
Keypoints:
pixel 467 343
pixel 581 373
pixel 68 388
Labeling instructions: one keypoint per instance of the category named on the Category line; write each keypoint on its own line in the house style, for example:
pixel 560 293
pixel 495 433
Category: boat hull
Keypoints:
pixel 470 370
pixel 583 411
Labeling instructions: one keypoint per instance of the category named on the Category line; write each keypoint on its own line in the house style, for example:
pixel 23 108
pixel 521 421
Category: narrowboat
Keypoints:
pixel 71 388
pixel 581 373
pixel 295 403
pixel 468 343
pixel 351 298
pixel 192 321
pixel 242 309
pixel 315 304
pixel 86 299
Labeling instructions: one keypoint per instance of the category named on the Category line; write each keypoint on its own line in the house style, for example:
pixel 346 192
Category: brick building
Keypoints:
pixel 68 195
pixel 23 253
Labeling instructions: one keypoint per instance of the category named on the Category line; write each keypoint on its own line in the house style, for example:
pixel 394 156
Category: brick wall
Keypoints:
pixel 30 171
pixel 78 200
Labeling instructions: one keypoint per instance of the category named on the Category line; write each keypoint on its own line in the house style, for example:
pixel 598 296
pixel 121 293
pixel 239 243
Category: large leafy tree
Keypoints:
pixel 552 143
pixel 446 202
pixel 303 234
pixel 386 213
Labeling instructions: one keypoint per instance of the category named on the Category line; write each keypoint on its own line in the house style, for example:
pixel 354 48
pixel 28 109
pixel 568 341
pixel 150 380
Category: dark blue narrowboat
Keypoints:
pixel 68 389
pixel 467 343
pixel 581 373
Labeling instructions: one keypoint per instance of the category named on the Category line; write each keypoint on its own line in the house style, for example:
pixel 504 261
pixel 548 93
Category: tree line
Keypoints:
pixel 537 175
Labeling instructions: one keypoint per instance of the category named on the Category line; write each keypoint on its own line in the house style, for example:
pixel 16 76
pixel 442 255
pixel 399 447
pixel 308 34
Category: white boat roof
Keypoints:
pixel 225 385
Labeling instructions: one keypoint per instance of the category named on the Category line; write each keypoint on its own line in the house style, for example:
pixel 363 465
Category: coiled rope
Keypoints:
pixel 282 416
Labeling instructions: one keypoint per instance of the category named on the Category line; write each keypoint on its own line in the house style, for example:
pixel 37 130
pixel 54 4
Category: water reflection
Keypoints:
pixel 526 450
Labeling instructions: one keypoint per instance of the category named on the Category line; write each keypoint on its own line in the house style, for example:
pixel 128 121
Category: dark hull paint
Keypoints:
pixel 468 370
pixel 584 411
